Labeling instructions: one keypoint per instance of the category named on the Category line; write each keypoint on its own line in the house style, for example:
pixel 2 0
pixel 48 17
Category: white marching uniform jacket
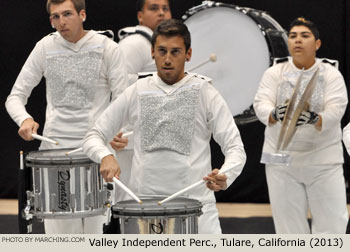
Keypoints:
pixel 346 137
pixel 172 129
pixel 137 51
pixel 329 99
pixel 80 78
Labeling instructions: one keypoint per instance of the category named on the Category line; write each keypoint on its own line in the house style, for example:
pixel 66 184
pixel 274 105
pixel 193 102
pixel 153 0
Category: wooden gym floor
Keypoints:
pixel 226 210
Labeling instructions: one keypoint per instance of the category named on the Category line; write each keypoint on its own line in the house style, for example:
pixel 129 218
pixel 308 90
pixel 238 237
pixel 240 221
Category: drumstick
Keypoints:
pixel 41 138
pixel 182 191
pixel 127 190
pixel 212 58
pixel 21 164
pixel 191 187
pixel 128 134
pixel 81 148
pixel 74 151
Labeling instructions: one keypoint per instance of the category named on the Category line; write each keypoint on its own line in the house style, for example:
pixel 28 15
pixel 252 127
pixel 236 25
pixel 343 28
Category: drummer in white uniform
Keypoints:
pixel 135 42
pixel 173 115
pixel 313 178
pixel 82 69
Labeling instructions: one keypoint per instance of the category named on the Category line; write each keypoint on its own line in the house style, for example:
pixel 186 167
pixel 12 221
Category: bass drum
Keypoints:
pixel 245 42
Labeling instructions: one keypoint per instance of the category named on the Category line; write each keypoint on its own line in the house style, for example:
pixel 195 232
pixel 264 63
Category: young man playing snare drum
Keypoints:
pixel 82 70
pixel 173 115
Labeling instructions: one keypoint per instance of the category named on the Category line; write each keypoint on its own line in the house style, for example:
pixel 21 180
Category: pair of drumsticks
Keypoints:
pixel 188 188
pixel 212 58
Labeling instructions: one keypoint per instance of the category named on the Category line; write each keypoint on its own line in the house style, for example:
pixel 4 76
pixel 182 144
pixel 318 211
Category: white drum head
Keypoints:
pixel 241 50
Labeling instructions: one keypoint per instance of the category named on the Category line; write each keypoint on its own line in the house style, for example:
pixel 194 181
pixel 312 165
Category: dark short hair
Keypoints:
pixel 140 4
pixel 78 4
pixel 171 28
pixel 301 21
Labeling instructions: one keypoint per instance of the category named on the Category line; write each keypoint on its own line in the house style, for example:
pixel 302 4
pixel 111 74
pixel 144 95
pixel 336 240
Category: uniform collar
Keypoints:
pixel 75 46
pixel 311 69
pixel 171 88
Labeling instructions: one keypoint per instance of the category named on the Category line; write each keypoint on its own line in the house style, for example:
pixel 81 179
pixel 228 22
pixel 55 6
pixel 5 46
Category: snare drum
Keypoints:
pixel 65 186
pixel 178 216
pixel 245 42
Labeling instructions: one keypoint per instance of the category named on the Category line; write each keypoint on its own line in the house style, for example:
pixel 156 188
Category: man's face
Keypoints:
pixel 170 56
pixel 153 13
pixel 302 42
pixel 67 21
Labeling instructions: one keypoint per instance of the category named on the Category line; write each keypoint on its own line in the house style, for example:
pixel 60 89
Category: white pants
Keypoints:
pixel 208 222
pixel 89 225
pixel 293 190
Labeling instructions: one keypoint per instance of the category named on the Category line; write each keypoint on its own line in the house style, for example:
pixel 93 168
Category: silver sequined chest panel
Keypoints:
pixel 286 89
pixel 167 121
pixel 72 78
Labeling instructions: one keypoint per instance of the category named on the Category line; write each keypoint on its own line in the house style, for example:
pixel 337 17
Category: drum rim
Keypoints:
pixel 68 160
pixel 249 12
pixel 167 209
pixel 70 214
pixel 206 5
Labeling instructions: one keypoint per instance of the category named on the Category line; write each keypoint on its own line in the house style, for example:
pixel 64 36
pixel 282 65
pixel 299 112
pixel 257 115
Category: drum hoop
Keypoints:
pixel 206 5
pixel 46 162
pixel 136 215
pixel 266 31
pixel 164 210
pixel 249 12
pixel 59 165
pixel 70 215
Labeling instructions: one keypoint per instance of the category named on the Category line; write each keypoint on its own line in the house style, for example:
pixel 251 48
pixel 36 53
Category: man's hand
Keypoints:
pixel 279 112
pixel 307 117
pixel 216 181
pixel 28 127
pixel 118 142
pixel 109 168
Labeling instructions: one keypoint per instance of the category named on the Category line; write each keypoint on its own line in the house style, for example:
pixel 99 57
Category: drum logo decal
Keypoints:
pixel 63 183
pixel 158 229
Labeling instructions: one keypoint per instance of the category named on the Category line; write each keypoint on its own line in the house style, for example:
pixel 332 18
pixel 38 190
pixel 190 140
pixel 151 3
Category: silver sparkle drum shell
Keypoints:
pixel 178 216
pixel 65 186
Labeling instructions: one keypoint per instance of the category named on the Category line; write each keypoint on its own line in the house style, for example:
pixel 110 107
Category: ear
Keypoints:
pixel 139 17
pixel 318 44
pixel 82 15
pixel 189 54
pixel 50 18
pixel 152 51
pixel 51 23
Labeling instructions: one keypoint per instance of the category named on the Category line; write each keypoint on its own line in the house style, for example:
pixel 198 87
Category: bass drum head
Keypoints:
pixel 241 50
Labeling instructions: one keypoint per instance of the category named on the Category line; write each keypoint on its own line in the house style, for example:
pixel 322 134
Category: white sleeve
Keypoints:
pixel 335 99
pixel 29 77
pixel 105 128
pixel 346 137
pixel 116 71
pixel 226 134
pixel 136 50
pixel 265 98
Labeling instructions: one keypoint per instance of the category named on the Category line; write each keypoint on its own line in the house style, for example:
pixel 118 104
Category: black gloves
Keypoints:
pixel 307 117
pixel 279 112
